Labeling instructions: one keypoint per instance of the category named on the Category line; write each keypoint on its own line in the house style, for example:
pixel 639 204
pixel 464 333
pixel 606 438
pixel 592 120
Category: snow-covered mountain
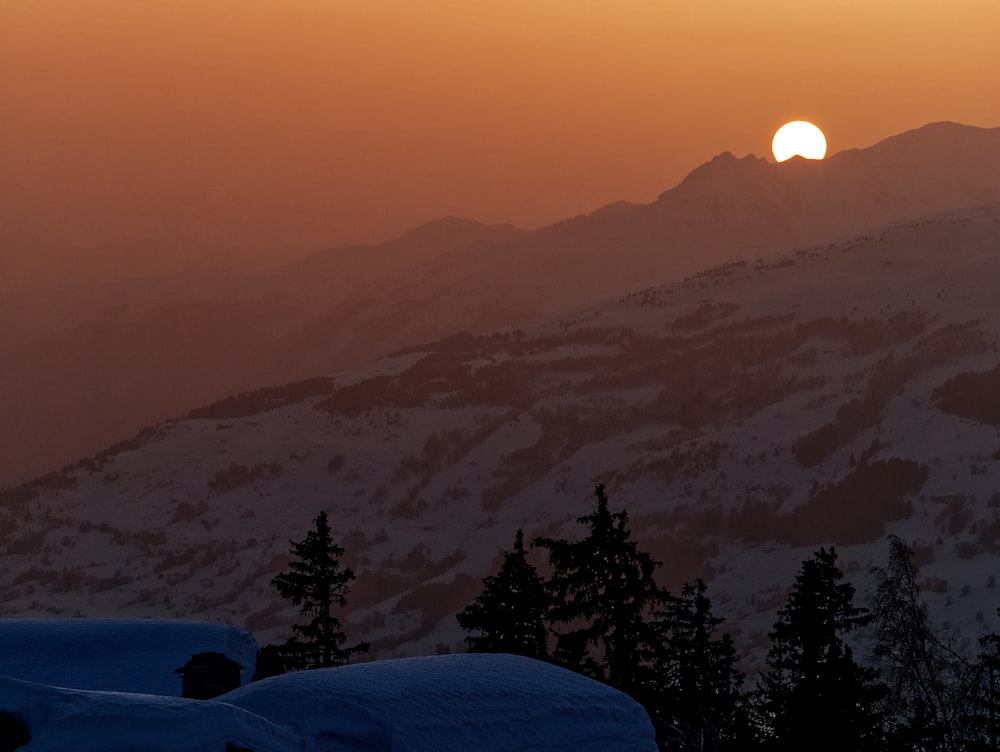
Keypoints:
pixel 743 416
pixel 84 366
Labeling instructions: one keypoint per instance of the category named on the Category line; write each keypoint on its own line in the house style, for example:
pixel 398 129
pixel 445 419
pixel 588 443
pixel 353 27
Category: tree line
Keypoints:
pixel 599 611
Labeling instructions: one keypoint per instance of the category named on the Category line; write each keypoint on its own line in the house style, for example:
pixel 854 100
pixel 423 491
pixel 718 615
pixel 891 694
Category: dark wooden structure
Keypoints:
pixel 13 732
pixel 208 675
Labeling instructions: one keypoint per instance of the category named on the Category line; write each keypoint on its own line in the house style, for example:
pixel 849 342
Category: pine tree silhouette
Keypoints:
pixel 700 685
pixel 509 614
pixel 316 583
pixel 604 595
pixel 813 690
pixel 982 714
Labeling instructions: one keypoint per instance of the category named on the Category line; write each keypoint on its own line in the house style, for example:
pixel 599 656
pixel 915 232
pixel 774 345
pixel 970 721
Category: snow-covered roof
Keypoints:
pixel 490 703
pixel 116 654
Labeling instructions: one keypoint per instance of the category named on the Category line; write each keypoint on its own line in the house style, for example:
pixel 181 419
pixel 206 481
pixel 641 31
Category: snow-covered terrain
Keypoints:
pixel 451 703
pixel 116 655
pixel 743 416
pixel 491 703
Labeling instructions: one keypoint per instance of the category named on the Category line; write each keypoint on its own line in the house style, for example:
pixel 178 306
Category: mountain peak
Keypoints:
pixel 443 226
pixel 448 233
pixel 721 168
pixel 935 139
pixel 451 233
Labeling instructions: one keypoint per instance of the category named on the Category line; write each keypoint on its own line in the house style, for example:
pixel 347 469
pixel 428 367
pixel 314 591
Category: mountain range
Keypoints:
pixel 86 365
pixel 828 390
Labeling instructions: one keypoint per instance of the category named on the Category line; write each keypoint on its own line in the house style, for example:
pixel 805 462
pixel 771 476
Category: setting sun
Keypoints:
pixel 798 138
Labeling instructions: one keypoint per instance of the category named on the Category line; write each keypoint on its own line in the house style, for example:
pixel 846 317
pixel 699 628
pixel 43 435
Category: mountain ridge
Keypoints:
pixel 212 336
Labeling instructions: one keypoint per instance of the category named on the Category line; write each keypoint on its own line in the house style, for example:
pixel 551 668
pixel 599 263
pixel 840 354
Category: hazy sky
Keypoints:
pixel 291 124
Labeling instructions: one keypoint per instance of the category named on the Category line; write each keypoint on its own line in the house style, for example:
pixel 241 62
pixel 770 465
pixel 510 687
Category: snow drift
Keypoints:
pixel 84 721
pixel 490 703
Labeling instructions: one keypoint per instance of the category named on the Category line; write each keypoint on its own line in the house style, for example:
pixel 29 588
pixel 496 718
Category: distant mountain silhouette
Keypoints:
pixel 725 209
pixel 337 271
pixel 411 248
pixel 740 208
pixel 91 364
pixel 449 233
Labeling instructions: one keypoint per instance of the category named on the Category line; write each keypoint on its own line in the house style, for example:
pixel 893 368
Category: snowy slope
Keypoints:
pixel 742 417
pixel 119 655
pixel 452 703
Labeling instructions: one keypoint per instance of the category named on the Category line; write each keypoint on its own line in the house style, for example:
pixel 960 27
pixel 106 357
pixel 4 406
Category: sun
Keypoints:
pixel 798 138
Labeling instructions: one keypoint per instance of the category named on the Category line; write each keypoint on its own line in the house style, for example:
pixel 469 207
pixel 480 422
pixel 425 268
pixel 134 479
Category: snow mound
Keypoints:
pixel 86 721
pixel 116 655
pixel 488 703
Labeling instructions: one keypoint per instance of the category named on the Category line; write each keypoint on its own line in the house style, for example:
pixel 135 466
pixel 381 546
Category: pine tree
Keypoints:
pixel 981 721
pixel 316 583
pixel 509 614
pixel 926 678
pixel 813 688
pixel 701 686
pixel 604 595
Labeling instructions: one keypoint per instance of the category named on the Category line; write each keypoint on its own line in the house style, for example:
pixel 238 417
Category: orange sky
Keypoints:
pixel 288 125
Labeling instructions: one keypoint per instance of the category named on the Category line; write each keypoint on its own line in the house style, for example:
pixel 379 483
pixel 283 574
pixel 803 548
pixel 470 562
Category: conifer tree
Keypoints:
pixel 982 718
pixel 700 684
pixel 604 596
pixel 509 614
pixel 316 583
pixel 926 678
pixel 813 689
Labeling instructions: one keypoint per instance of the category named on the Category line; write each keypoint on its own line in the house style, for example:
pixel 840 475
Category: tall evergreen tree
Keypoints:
pixel 927 680
pixel 316 583
pixel 604 595
pixel 813 690
pixel 981 723
pixel 509 614
pixel 699 683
